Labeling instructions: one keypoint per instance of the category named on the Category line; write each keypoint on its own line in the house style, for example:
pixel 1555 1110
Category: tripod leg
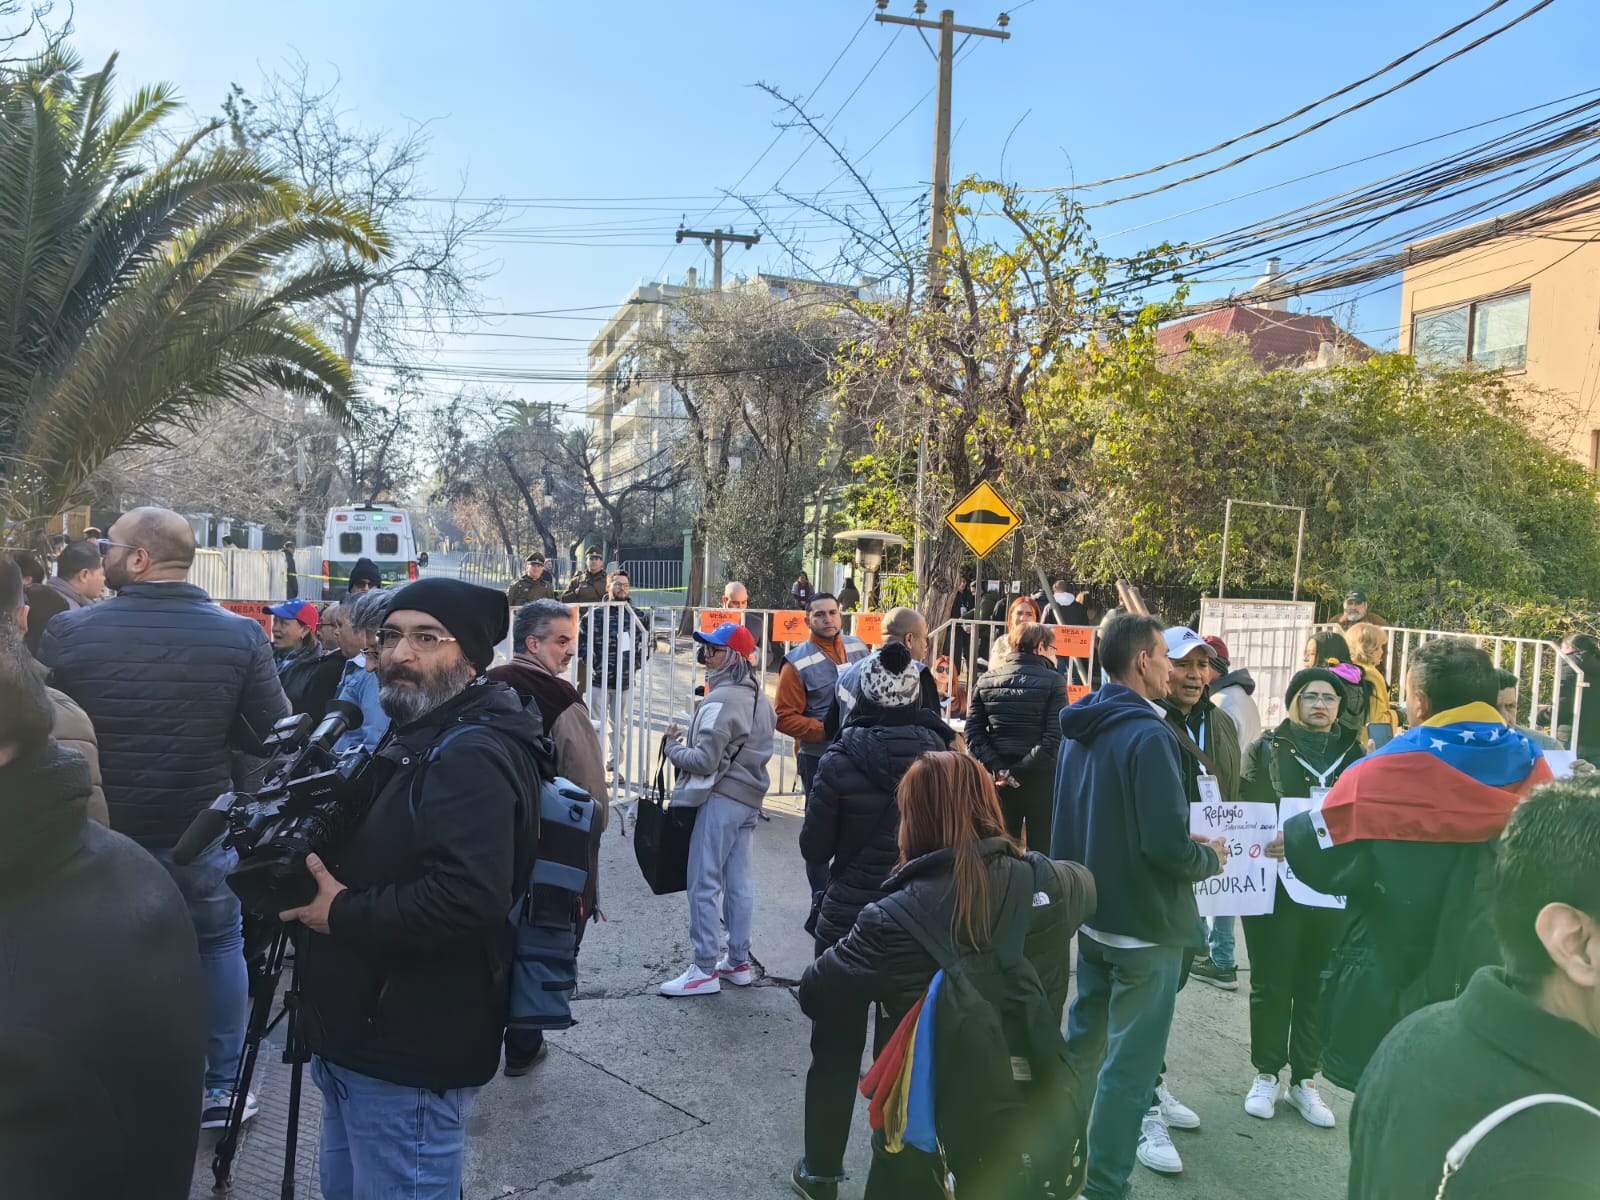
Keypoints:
pixel 295 1054
pixel 263 988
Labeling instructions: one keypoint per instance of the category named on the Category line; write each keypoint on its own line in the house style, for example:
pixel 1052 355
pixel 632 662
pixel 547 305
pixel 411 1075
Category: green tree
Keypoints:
pixel 139 287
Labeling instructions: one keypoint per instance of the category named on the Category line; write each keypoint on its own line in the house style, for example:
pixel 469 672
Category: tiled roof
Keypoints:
pixel 1276 339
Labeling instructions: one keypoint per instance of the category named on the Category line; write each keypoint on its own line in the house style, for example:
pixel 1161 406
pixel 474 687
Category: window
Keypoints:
pixel 389 543
pixel 1486 333
pixel 349 543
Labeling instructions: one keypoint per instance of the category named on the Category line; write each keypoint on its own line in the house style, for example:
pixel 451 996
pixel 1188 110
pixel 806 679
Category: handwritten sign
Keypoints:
pixel 789 625
pixel 710 618
pixel 869 628
pixel 1076 692
pixel 1248 883
pixel 1074 641
pixel 255 610
pixel 1288 807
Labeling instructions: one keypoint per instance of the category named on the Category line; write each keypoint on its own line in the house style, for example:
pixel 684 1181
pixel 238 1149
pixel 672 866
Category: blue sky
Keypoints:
pixel 651 106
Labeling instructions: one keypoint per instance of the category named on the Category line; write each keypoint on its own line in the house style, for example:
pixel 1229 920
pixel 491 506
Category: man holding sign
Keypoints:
pixel 1292 767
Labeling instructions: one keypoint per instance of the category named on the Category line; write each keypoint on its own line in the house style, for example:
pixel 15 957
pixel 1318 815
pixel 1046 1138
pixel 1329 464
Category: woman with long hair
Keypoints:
pixel 1329 649
pixel 1024 610
pixel 956 863
pixel 1014 729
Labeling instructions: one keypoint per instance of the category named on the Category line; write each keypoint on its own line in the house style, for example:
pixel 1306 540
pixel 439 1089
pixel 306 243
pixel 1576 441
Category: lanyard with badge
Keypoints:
pixel 1320 792
pixel 1210 789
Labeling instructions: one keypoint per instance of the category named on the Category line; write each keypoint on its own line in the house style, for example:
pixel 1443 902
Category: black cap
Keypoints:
pixel 595 554
pixel 1311 675
pixel 1356 598
pixel 477 617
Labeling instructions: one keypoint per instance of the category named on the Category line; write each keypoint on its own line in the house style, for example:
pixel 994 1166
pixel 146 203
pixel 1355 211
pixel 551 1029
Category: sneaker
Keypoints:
pixel 1304 1098
pixel 1156 1150
pixel 693 982
pixel 738 974
pixel 521 1066
pixel 1175 1112
pixel 218 1103
pixel 1206 971
pixel 811 1189
pixel 1263 1098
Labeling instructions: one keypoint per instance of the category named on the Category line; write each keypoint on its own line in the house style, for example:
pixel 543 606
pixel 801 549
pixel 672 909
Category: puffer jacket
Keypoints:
pixel 168 679
pixel 99 970
pixel 852 820
pixel 879 959
pixel 310 679
pixel 1014 716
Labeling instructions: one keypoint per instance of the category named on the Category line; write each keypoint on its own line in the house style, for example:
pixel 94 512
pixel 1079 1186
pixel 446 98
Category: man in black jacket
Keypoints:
pixel 405 972
pixel 1530 1028
pixel 172 684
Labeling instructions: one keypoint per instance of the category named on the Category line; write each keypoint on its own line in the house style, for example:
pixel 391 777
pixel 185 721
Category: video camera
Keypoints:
pixel 308 804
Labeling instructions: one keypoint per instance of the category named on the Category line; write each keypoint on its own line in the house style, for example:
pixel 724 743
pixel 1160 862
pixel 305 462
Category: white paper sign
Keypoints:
pixel 1291 806
pixel 1247 885
pixel 1561 762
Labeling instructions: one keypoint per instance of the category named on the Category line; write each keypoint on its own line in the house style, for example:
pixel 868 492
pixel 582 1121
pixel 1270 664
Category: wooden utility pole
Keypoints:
pixel 714 239
pixel 938 222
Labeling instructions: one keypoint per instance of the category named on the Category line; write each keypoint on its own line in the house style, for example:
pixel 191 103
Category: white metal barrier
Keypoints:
pixel 239 574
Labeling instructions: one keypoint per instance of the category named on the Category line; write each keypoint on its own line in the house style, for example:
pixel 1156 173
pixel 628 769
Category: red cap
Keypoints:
pixel 1219 648
pixel 734 637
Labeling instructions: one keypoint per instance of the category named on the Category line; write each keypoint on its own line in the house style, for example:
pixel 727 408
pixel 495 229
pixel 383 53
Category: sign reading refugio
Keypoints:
pixel 1249 882
pixel 982 519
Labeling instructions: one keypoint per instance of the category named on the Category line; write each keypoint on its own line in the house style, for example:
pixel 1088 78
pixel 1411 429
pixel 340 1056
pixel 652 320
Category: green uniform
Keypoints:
pixel 588 588
pixel 526 591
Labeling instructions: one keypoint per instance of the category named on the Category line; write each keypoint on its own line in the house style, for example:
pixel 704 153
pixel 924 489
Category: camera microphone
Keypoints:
pixel 208 825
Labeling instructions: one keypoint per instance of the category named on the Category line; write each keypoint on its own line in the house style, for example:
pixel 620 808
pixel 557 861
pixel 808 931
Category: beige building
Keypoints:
pixel 1528 304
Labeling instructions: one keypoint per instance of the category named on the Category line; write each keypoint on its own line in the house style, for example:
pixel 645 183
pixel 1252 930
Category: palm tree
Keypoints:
pixel 141 285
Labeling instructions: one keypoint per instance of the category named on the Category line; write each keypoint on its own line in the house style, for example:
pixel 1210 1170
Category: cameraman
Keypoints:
pixel 405 975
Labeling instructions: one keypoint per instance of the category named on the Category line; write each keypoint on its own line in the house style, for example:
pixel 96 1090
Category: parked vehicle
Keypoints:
pixel 380 532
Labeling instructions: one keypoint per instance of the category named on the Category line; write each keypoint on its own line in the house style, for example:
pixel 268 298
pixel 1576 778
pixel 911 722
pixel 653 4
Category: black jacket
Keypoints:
pixel 410 984
pixel 1014 716
pixel 852 820
pixel 1447 1067
pixel 102 1003
pixel 879 960
pixel 167 678
pixel 311 678
pixel 1213 733
pixel 1272 766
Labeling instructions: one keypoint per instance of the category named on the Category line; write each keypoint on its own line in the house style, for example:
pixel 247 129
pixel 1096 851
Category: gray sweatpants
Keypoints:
pixel 720 864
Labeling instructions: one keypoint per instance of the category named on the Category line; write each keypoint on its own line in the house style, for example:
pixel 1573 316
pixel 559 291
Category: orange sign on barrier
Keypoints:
pixel 1076 692
pixel 712 617
pixel 869 628
pixel 256 610
pixel 789 625
pixel 1074 641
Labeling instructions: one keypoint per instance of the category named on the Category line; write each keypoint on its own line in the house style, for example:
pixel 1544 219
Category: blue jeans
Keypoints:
pixel 1117 1035
pixel 721 869
pixel 817 872
pixel 1221 942
pixel 383 1141
pixel 219 928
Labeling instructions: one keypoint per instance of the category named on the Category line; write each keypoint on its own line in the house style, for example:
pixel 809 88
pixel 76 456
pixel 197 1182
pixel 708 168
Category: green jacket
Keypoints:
pixel 526 591
pixel 588 588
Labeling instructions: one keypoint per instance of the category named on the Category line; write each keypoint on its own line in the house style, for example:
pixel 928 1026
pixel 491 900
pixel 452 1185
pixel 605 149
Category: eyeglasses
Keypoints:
pixel 106 545
pixel 1319 699
pixel 425 640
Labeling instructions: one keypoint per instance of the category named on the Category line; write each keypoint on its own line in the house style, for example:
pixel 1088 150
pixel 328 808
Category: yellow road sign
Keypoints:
pixel 982 520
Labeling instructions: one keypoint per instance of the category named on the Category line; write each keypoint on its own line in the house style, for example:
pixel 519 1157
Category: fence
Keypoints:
pixel 240 574
pixel 655 574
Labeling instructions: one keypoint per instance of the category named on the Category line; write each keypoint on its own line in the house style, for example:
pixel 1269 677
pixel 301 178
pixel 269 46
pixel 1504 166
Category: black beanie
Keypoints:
pixel 1312 675
pixel 477 617
pixel 365 570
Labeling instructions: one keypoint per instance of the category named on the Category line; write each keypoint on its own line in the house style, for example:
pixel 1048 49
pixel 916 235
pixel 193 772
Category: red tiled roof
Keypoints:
pixel 1276 339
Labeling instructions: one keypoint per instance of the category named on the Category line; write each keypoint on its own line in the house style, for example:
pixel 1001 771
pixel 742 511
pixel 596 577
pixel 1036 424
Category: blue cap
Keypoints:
pixel 735 637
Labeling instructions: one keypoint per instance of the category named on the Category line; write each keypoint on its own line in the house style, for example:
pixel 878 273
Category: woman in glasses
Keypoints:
pixel 1290 946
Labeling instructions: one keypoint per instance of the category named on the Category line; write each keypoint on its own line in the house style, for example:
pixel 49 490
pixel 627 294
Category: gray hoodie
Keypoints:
pixel 728 742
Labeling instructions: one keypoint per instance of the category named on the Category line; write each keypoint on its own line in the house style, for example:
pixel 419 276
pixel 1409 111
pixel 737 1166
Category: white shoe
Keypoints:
pixel 1156 1150
pixel 1263 1098
pixel 1308 1102
pixel 738 974
pixel 693 982
pixel 1175 1112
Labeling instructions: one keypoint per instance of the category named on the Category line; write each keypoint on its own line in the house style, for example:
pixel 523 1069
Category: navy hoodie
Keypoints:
pixel 1120 811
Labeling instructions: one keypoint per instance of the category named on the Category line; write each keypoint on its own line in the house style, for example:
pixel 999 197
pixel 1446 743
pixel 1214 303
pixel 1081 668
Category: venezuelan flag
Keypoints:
pixel 1453 779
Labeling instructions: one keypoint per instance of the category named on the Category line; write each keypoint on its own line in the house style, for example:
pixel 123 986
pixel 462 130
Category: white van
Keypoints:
pixel 380 532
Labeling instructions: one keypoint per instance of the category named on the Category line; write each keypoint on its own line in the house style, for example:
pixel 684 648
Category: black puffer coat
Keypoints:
pixel 1013 718
pixel 852 820
pixel 310 679
pixel 879 960
pixel 102 1004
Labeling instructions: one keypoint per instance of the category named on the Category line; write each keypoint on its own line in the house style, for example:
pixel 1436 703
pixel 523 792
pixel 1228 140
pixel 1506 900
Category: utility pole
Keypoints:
pixel 714 239
pixel 938 225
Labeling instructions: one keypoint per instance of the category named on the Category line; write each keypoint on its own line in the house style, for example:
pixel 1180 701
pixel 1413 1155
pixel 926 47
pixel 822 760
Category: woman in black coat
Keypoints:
pixel 852 828
pixel 956 860
pixel 1014 729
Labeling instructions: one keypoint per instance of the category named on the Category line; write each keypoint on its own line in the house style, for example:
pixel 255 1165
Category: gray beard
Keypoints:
pixel 406 704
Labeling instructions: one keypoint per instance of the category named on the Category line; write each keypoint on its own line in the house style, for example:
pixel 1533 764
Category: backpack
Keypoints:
pixel 1007 1106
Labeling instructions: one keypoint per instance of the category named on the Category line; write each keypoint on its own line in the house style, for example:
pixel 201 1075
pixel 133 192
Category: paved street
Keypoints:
pixel 649 1097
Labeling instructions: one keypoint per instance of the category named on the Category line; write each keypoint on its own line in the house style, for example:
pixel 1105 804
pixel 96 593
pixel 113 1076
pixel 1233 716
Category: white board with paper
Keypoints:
pixel 1248 883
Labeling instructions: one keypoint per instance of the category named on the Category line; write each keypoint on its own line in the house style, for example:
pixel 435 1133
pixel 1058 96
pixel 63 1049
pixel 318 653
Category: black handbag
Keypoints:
pixel 661 832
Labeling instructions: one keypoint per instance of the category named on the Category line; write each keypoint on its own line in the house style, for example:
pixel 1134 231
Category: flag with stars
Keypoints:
pixel 1454 779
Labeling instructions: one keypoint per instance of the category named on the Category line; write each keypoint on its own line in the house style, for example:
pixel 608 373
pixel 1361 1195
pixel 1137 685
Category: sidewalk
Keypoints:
pixel 649 1097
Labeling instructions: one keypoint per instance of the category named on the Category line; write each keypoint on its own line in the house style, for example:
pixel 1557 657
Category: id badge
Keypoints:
pixel 1318 795
pixel 1210 790
pixel 625 641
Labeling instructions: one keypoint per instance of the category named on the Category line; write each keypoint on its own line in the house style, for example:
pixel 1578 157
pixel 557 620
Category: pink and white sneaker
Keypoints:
pixel 693 982
pixel 738 974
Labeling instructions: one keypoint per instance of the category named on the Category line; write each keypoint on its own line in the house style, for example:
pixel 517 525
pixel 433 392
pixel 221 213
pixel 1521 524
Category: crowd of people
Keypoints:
pixel 965 865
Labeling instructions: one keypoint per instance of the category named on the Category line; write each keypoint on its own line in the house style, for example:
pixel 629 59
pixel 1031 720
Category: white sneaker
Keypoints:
pixel 1263 1098
pixel 1175 1112
pixel 217 1105
pixel 1308 1102
pixel 1156 1150
pixel 738 974
pixel 693 982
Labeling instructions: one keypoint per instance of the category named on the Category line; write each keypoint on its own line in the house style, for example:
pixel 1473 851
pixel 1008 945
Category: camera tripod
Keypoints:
pixel 265 971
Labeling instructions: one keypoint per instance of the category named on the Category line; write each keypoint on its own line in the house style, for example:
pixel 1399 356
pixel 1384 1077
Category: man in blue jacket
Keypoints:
pixel 1121 811
pixel 171 681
